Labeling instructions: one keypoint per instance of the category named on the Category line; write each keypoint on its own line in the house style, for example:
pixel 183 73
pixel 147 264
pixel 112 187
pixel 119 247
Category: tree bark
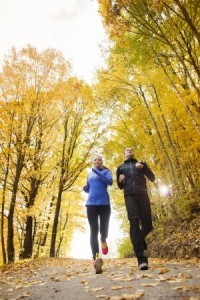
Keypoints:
pixel 188 19
pixel 55 223
pixel 62 235
pixel 28 241
pixel 10 235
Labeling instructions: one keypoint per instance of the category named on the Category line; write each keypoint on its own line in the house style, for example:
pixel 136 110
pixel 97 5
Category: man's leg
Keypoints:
pixel 135 232
pixel 144 209
pixel 145 215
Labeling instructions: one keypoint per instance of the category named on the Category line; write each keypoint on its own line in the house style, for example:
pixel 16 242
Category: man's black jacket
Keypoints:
pixel 135 178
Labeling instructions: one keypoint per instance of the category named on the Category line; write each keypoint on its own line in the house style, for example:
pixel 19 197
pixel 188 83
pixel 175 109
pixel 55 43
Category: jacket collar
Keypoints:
pixel 130 160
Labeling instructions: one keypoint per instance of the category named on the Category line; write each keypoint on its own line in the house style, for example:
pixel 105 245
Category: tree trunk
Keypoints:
pixel 28 241
pixel 2 230
pixel 2 217
pixel 4 199
pixel 10 235
pixel 61 238
pixel 188 19
pixel 55 223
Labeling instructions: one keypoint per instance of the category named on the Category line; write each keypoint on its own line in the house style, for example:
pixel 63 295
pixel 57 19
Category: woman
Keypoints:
pixel 98 208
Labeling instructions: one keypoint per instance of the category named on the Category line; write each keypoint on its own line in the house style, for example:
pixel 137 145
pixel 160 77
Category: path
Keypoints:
pixel 74 279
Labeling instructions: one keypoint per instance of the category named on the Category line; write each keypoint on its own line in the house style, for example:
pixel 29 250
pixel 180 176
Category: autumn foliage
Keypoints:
pixel 151 86
pixel 44 148
pixel 147 97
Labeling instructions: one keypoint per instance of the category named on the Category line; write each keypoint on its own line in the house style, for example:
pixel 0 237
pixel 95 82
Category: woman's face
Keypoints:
pixel 97 161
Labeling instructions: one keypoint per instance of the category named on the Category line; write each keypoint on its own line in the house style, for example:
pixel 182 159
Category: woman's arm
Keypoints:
pixel 106 177
pixel 86 187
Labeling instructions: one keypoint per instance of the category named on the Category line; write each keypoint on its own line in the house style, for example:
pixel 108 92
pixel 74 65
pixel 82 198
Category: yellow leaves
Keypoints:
pixel 150 284
pixel 115 287
pixel 19 287
pixel 102 297
pixel 105 6
pixel 9 290
pixel 182 288
pixel 163 271
pixel 137 295
pixel 24 295
pixel 96 289
pixel 19 282
pixel 84 282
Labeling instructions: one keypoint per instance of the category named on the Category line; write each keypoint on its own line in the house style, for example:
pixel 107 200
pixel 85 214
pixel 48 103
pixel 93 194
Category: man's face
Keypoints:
pixel 128 153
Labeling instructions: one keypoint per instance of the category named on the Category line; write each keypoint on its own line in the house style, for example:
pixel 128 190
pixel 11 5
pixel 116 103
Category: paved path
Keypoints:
pixel 73 279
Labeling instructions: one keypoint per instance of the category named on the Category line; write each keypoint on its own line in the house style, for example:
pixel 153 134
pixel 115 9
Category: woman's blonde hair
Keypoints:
pixel 103 167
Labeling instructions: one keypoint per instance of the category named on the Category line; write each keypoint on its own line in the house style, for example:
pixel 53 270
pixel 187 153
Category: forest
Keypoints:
pixel 147 96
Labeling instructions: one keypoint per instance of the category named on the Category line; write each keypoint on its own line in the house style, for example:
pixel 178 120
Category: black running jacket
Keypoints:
pixel 135 178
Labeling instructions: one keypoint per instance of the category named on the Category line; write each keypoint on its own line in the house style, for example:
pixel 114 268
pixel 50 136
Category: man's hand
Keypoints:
pixel 121 178
pixel 139 165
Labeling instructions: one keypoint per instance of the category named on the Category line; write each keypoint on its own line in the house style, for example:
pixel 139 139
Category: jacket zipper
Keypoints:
pixel 132 176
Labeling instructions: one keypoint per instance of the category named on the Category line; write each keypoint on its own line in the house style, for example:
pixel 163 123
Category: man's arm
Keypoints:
pixel 147 171
pixel 120 179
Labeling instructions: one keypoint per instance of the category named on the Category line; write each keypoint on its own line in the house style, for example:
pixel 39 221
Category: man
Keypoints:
pixel 131 177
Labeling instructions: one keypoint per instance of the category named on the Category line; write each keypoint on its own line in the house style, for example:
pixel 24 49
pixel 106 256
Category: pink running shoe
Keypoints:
pixel 104 247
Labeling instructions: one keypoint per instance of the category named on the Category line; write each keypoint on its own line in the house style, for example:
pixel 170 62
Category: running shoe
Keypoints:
pixel 104 247
pixel 143 263
pixel 98 263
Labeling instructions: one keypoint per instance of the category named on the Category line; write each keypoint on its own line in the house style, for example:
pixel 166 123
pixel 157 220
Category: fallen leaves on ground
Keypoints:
pixel 122 279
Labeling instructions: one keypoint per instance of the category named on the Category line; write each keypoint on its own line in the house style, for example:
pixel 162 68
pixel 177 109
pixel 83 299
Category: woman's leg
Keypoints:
pixel 92 215
pixel 104 215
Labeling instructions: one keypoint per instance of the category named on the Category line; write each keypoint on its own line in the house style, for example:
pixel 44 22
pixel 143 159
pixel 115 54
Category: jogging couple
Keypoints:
pixel 131 177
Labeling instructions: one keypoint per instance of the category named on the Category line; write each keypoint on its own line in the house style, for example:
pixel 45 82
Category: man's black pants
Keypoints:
pixel 139 215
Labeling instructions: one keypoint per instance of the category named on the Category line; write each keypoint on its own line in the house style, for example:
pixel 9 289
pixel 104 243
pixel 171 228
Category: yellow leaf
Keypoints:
pixel 97 289
pixel 163 271
pixel 116 287
pixel 150 284
pixel 138 294
pixel 18 287
pixel 24 295
pixel 9 290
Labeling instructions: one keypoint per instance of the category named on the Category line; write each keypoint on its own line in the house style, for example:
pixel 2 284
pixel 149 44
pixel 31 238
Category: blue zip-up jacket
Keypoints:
pixel 97 183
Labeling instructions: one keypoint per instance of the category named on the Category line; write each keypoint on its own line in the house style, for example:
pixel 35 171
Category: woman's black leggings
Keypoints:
pixel 98 218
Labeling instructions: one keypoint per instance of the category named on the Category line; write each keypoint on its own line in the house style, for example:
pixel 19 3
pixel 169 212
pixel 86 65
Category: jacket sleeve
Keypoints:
pixel 86 187
pixel 120 184
pixel 149 174
pixel 106 177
